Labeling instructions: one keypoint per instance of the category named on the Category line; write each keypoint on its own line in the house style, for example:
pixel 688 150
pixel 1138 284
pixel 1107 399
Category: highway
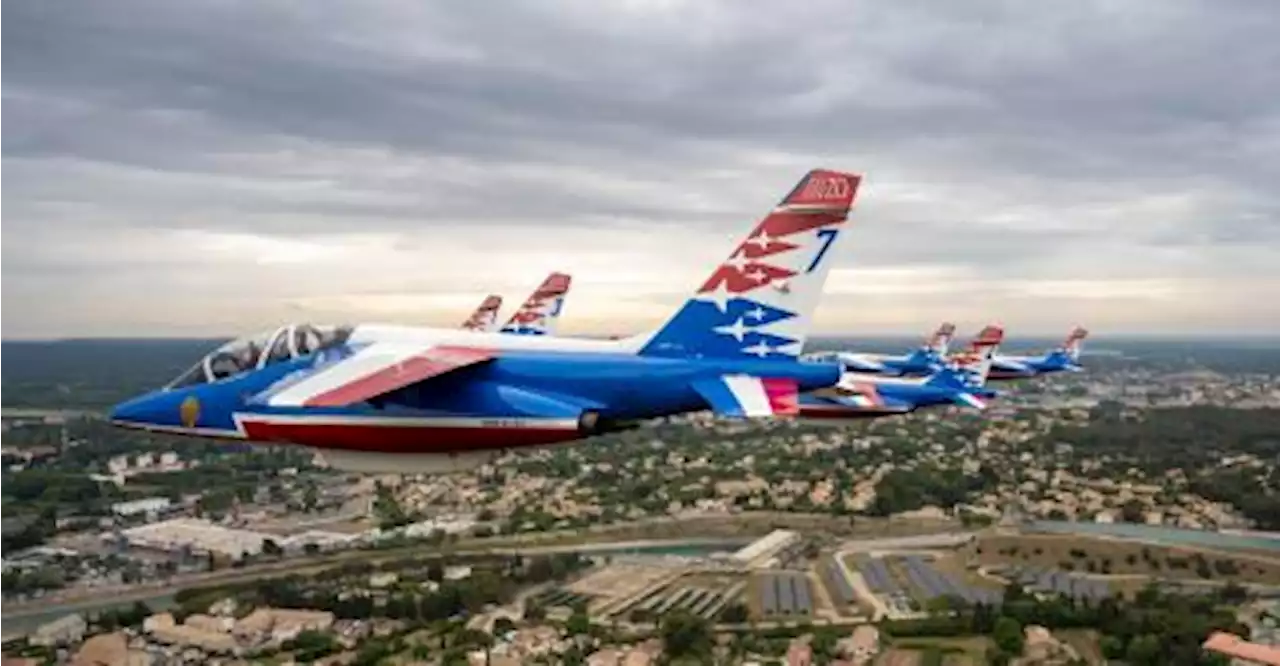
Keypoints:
pixel 97 600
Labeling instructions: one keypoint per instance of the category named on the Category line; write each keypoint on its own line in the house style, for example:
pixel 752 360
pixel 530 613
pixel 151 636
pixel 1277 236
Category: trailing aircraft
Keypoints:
pixel 377 397
pixel 925 360
pixel 540 312
pixel 962 382
pixel 485 318
pixel 1065 358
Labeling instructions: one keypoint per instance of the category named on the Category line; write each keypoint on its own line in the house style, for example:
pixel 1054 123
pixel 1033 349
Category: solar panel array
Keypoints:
pixel 933 584
pixel 785 594
pixel 1061 582
pixel 837 585
pixel 697 600
pixel 878 578
pixel 560 597
pixel 724 599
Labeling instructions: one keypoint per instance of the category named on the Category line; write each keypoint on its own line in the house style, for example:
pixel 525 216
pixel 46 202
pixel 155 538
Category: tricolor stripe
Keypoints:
pixel 374 371
pixel 744 396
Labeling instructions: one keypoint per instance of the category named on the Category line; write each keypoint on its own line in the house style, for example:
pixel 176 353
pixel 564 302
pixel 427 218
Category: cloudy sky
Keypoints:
pixel 217 167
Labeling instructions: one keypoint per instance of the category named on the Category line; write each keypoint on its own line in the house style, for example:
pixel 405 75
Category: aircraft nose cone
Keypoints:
pixel 131 412
pixel 153 409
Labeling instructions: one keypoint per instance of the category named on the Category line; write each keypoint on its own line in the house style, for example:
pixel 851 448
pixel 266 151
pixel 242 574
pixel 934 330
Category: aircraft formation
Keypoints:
pixel 389 398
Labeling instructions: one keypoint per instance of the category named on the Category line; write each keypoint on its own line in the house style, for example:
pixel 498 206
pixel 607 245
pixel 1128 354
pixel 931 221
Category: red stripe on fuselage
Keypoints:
pixel 433 362
pixel 405 439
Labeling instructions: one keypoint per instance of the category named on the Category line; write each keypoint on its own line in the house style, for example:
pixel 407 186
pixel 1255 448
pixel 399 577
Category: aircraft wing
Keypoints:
pixel 862 362
pixel 370 372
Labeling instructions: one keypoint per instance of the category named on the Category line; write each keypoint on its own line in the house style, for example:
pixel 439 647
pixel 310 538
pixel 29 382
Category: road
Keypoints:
pixel 99 599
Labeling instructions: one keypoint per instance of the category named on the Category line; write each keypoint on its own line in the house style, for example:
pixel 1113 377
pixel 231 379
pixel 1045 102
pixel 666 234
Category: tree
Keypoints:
pixel 1112 647
pixel 684 634
pixel 435 571
pixel 310 498
pixel 271 549
pixel 1133 511
pixel 734 613
pixel 1144 649
pixel 1008 635
pixel 578 624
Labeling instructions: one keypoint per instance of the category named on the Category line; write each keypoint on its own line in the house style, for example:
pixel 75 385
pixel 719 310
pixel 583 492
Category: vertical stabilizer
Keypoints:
pixel 485 318
pixel 982 350
pixel 760 302
pixel 1074 343
pixel 540 313
pixel 940 342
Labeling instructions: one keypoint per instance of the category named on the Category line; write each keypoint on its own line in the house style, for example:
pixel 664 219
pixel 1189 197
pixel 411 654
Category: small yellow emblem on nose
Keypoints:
pixel 190 412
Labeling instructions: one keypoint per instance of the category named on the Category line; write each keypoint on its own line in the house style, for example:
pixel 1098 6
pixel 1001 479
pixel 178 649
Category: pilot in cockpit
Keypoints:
pixel 252 353
pixel 246 354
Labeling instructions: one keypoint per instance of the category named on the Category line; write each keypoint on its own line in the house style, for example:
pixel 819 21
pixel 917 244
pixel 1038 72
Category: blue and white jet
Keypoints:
pixel 923 361
pixel 1065 358
pixel 858 395
pixel 387 398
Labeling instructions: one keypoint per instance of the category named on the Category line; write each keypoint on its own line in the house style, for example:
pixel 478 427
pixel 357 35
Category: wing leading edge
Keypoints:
pixel 371 372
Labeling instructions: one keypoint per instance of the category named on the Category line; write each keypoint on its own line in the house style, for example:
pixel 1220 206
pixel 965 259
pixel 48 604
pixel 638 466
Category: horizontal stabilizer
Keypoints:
pixel 969 400
pixel 374 371
pixel 744 396
pixel 853 392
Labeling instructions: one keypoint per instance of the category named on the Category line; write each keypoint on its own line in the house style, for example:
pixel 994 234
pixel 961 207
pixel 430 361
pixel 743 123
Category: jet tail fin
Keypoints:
pixel 760 301
pixel 744 396
pixel 982 350
pixel 540 313
pixel 485 318
pixel 940 342
pixel 1074 343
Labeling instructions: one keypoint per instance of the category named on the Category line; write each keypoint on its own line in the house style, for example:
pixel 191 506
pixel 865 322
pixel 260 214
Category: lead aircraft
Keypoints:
pixel 1065 358
pixel 385 398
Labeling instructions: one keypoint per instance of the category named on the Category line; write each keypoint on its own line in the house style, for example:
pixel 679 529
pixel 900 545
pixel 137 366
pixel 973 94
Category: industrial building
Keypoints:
pixel 200 536
pixel 146 505
pixel 763 552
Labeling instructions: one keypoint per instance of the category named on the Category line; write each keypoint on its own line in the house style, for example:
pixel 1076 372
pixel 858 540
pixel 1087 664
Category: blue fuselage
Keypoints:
pixel 518 384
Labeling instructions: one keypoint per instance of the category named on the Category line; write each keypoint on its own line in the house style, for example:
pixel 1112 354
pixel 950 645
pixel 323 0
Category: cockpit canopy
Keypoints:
pixel 259 351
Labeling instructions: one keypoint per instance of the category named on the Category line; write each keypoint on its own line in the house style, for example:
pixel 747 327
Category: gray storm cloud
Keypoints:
pixel 239 163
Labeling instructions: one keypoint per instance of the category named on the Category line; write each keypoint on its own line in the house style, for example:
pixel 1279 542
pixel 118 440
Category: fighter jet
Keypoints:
pixel 925 360
pixel 485 318
pixel 387 398
pixel 540 312
pixel 1063 359
pixel 860 395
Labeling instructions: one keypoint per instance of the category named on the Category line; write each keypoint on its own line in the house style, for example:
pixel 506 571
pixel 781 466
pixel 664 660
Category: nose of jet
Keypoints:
pixel 149 409
pixel 130 412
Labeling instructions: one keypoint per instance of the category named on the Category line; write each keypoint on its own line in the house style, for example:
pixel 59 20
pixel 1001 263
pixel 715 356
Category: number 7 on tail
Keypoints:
pixel 826 236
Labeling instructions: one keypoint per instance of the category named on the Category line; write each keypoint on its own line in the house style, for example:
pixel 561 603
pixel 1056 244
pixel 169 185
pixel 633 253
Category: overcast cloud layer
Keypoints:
pixel 205 168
